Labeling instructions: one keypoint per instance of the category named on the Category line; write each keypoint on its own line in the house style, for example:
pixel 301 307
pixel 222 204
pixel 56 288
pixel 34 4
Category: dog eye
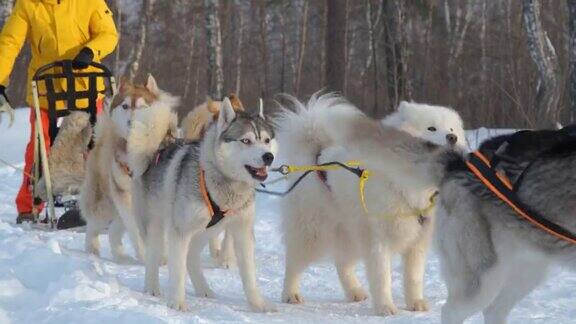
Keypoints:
pixel 125 106
pixel 246 141
pixel 432 128
pixel 267 141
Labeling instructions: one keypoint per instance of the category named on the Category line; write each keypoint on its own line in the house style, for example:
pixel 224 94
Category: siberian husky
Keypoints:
pixel 105 199
pixel 194 126
pixel 324 217
pixel 179 196
pixel 491 258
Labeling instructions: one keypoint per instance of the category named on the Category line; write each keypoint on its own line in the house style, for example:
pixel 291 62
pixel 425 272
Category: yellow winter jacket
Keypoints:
pixel 56 30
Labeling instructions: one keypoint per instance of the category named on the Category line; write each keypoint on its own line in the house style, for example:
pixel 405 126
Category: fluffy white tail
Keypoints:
pixel 309 128
pixel 150 128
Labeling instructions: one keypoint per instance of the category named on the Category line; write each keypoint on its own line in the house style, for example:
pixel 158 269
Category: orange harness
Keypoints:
pixel 501 186
pixel 216 213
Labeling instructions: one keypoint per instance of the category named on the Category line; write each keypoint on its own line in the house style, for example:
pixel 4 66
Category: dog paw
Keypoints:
pixel 293 298
pixel 153 291
pixel 178 305
pixel 357 295
pixel 225 262
pixel 215 254
pixel 206 293
pixel 419 305
pixel 263 306
pixel 386 310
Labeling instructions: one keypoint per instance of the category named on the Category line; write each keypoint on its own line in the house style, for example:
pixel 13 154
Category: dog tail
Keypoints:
pixel 151 128
pixel 303 130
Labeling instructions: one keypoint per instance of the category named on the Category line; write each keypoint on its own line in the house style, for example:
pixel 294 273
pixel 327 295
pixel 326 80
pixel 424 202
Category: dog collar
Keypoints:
pixel 216 213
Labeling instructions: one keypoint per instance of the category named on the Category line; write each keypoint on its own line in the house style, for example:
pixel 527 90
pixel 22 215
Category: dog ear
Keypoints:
pixel 151 85
pixel 261 109
pixel 236 103
pixel 404 106
pixel 226 115
pixel 123 85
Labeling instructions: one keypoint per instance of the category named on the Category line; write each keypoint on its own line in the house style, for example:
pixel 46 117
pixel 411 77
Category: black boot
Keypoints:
pixel 25 217
pixel 70 219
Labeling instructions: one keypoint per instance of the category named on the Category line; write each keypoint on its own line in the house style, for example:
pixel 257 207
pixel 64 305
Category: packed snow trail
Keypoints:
pixel 45 277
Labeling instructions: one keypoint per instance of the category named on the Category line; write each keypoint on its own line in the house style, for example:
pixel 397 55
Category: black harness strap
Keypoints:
pixel 487 175
pixel 217 215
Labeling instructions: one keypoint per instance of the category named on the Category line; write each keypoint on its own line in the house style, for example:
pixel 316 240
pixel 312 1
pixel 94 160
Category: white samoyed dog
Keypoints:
pixel 324 218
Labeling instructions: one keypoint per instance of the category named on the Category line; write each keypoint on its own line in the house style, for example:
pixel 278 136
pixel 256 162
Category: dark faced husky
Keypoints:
pixel 491 257
pixel 178 196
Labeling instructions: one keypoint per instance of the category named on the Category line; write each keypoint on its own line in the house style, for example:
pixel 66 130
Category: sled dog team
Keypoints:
pixel 174 194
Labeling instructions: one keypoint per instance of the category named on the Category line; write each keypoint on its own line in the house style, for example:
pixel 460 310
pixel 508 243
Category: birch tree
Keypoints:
pixel 263 24
pixel 214 43
pixel 239 47
pixel 544 56
pixel 572 58
pixel 136 57
pixel 191 55
pixel 302 46
pixel 457 29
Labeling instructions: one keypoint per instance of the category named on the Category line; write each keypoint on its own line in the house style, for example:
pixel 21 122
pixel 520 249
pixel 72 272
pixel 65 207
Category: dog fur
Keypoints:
pixel 197 121
pixel 106 199
pixel 66 158
pixel 169 205
pixel 326 219
pixel 492 258
pixel 193 126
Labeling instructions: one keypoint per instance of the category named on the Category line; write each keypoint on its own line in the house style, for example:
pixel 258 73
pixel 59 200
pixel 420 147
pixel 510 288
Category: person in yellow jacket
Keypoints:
pixel 80 30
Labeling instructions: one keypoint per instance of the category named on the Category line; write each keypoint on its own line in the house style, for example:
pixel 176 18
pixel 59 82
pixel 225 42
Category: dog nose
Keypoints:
pixel 268 158
pixel 452 139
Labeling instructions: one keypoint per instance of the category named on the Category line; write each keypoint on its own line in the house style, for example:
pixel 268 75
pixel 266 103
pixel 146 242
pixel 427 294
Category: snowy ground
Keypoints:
pixel 45 277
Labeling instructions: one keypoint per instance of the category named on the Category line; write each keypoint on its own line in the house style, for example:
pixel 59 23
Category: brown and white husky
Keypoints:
pixel 106 196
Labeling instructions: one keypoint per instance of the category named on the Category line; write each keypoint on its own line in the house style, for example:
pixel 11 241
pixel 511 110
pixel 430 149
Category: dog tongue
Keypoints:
pixel 261 171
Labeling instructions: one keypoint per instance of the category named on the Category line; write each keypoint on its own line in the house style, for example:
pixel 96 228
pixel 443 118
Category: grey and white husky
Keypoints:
pixel 170 203
pixel 492 258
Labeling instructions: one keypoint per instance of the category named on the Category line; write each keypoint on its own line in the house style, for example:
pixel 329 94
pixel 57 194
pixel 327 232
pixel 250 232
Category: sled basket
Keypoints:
pixel 98 81
pixel 62 72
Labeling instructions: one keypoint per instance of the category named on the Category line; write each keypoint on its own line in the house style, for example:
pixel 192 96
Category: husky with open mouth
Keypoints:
pixel 196 190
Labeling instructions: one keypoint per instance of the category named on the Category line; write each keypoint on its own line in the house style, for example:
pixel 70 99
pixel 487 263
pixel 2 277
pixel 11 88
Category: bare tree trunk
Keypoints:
pixel 239 48
pixel 396 65
pixel 118 22
pixel 572 59
pixel 544 56
pixel 457 34
pixel 214 49
pixel 302 47
pixel 284 46
pixel 483 58
pixel 146 13
pixel 190 63
pixel 372 56
pixel 323 51
pixel 263 23
pixel 336 44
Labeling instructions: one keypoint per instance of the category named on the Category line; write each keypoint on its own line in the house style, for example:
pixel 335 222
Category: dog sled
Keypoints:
pixel 99 81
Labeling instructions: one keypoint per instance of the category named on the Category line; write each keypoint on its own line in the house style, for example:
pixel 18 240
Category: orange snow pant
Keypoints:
pixel 24 199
